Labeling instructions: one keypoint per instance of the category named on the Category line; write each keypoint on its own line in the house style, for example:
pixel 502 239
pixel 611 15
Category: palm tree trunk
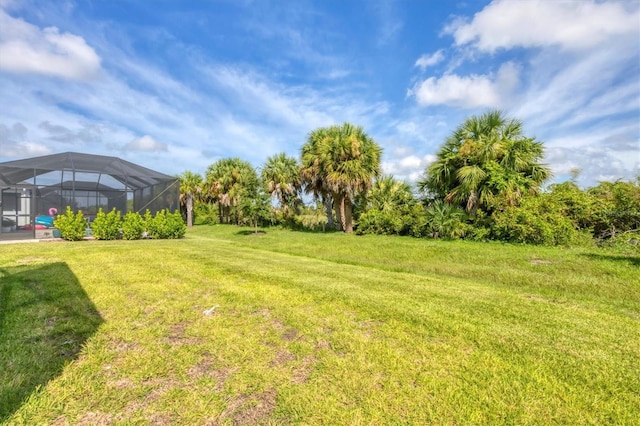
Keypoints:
pixel 337 203
pixel 328 206
pixel 189 210
pixel 347 216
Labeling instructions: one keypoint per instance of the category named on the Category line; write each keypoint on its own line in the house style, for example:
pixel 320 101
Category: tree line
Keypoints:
pixel 487 183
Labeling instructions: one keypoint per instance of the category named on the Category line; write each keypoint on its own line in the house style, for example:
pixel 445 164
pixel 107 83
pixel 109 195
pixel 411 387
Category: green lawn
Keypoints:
pixel 225 327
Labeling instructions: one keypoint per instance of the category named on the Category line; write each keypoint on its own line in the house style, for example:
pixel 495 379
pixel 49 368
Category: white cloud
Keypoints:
pixel 469 91
pixel 425 60
pixel 409 168
pixel 25 48
pixel 14 143
pixel 145 143
pixel 596 163
pixel 569 24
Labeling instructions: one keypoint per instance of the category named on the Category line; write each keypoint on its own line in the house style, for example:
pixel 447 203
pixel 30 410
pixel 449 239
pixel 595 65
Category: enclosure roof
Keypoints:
pixel 130 174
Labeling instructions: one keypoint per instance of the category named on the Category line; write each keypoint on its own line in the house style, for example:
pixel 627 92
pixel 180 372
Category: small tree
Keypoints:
pixel 256 209
pixel 190 192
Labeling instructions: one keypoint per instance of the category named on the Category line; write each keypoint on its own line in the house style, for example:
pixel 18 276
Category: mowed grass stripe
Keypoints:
pixel 302 340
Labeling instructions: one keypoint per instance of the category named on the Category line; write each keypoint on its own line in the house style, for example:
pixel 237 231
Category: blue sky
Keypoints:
pixel 177 85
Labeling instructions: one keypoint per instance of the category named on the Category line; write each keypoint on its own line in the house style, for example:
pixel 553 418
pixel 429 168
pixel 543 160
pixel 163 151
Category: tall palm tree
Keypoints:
pixel 486 160
pixel 190 190
pixel 281 176
pixel 340 161
pixel 227 182
pixel 312 170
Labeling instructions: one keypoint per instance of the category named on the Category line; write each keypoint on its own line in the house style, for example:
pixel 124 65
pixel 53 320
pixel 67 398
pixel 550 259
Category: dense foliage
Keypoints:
pixel 112 226
pixel 486 161
pixel 485 184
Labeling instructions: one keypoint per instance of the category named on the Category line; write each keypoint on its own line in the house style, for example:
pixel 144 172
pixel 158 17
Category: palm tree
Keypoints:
pixel 281 177
pixel 388 193
pixel 311 171
pixel 340 162
pixel 487 160
pixel 227 182
pixel 190 190
pixel 445 220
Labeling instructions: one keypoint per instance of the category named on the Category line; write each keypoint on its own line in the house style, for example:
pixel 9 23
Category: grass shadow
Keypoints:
pixel 251 232
pixel 45 319
pixel 633 260
pixel 317 230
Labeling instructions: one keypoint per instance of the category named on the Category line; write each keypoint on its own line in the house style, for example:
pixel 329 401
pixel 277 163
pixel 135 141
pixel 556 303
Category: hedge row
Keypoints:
pixel 113 226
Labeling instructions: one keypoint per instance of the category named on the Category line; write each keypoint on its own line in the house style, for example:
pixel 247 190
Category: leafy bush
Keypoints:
pixel 445 221
pixel 617 208
pixel 381 222
pixel 165 225
pixel 403 220
pixel 107 226
pixel 206 214
pixel 132 226
pixel 626 242
pixel 537 220
pixel 175 226
pixel 72 226
pixel 314 221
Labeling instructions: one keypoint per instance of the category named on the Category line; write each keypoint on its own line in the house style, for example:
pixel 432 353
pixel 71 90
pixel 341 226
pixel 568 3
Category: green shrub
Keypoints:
pixel 206 214
pixel 165 225
pixel 408 219
pixel 626 243
pixel 174 226
pixel 379 222
pixel 445 221
pixel 316 221
pixel 72 226
pixel 149 225
pixel 132 226
pixel 538 220
pixel 616 208
pixel 107 226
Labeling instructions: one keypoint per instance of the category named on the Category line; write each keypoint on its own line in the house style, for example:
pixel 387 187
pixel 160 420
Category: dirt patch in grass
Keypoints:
pixel 248 409
pixel 95 418
pixel 282 357
pixel 303 372
pixel 322 344
pixel 201 369
pixel 536 261
pixel 290 335
pixel 369 327
pixel 221 375
pixel 205 368
pixel 159 419
pixel 158 387
pixel 122 346
pixel 120 384
pixel 177 335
